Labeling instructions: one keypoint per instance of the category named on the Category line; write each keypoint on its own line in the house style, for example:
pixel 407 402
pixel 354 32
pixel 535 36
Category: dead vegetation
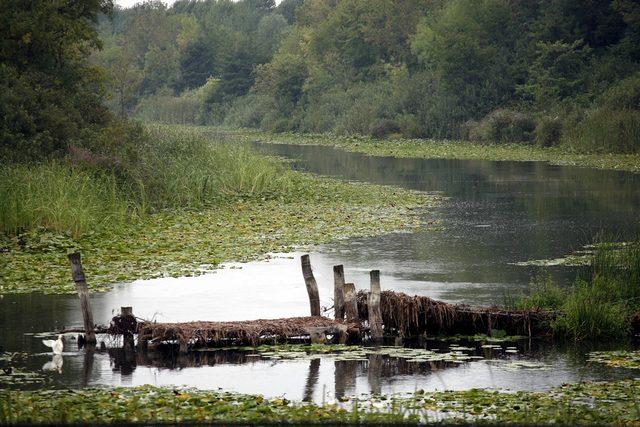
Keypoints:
pixel 408 316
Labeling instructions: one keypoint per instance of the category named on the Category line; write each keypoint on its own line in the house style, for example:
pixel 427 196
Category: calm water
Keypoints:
pixel 497 214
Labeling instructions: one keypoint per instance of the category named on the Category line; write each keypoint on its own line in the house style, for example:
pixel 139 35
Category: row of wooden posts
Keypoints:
pixel 345 304
pixel 344 297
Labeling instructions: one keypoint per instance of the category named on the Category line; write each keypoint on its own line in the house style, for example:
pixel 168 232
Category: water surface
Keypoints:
pixel 496 214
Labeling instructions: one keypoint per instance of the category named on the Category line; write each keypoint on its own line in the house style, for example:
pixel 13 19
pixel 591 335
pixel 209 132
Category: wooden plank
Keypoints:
pixel 312 285
pixel 338 292
pixel 77 273
pixel 373 301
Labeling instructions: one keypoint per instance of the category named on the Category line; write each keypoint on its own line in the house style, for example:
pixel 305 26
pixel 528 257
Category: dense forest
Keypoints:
pixel 549 72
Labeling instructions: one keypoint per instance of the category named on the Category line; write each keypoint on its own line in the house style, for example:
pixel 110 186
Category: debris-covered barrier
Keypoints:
pixel 250 332
pixel 410 316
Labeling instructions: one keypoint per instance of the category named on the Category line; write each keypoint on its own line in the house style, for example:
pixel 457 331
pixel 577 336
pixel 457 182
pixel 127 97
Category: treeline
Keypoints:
pixel 550 72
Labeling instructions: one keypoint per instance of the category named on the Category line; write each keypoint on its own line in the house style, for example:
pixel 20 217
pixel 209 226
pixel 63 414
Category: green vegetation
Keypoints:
pixel 601 302
pixel 194 203
pixel 617 359
pixel 440 149
pixel 593 403
pixel 498 71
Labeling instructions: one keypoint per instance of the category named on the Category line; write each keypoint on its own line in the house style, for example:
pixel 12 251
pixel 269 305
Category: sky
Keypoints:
pixel 129 3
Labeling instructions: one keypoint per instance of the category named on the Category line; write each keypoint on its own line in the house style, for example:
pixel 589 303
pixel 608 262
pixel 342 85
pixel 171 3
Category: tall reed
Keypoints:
pixel 58 197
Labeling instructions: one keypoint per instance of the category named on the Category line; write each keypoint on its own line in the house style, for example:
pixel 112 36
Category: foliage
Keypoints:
pixel 448 149
pixel 50 93
pixel 605 131
pixel 548 132
pixel 609 403
pixel 601 303
pixel 188 185
pixel 502 126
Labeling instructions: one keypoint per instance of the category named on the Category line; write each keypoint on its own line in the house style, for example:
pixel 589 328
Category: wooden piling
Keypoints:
pixel 373 301
pixel 350 303
pixel 312 285
pixel 127 336
pixel 77 273
pixel 338 292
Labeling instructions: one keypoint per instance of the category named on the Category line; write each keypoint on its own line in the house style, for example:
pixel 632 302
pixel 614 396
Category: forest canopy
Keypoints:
pixel 554 72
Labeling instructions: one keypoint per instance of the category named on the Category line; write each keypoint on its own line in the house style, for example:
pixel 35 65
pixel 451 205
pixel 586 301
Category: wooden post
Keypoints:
pixel 338 293
pixel 312 285
pixel 77 273
pixel 127 336
pixel 373 303
pixel 350 303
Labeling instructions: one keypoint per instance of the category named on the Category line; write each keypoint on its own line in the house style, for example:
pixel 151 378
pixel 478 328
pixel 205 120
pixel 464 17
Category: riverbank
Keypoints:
pixel 243 220
pixel 432 149
pixel 586 403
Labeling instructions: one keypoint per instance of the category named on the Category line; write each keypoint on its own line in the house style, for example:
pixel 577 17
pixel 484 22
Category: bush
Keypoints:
pixel 605 131
pixel 548 132
pixel 624 95
pixel 383 128
pixel 502 126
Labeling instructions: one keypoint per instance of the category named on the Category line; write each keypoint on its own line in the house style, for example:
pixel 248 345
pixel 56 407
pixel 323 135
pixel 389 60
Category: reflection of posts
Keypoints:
pixel 312 380
pixel 87 366
pixel 344 377
pixel 77 273
pixel 312 285
pixel 374 373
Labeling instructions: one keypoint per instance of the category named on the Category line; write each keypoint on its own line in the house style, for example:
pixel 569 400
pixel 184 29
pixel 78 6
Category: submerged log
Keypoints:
pixel 252 332
pixel 408 316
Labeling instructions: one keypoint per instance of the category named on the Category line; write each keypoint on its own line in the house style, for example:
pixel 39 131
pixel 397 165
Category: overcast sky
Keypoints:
pixel 129 3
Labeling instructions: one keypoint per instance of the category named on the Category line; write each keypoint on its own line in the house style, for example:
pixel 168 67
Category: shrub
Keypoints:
pixel 548 132
pixel 605 131
pixel 624 95
pixel 502 126
pixel 383 128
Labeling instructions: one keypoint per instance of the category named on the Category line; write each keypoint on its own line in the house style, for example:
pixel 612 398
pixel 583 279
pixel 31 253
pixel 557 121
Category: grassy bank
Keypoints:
pixel 192 204
pixel 587 403
pixel 602 300
pixel 440 149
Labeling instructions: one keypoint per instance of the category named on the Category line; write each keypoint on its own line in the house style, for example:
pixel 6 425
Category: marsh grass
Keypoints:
pixel 600 301
pixel 175 169
pixel 58 197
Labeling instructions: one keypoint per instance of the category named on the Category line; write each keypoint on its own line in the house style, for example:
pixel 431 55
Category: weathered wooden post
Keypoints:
pixel 373 304
pixel 350 303
pixel 77 273
pixel 338 292
pixel 126 314
pixel 312 285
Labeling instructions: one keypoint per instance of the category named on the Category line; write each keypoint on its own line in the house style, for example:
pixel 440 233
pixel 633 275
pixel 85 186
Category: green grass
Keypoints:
pixel 58 197
pixel 587 403
pixel 601 301
pixel 442 149
pixel 195 203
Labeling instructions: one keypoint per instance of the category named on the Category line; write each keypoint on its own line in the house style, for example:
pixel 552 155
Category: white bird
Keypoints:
pixel 56 346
